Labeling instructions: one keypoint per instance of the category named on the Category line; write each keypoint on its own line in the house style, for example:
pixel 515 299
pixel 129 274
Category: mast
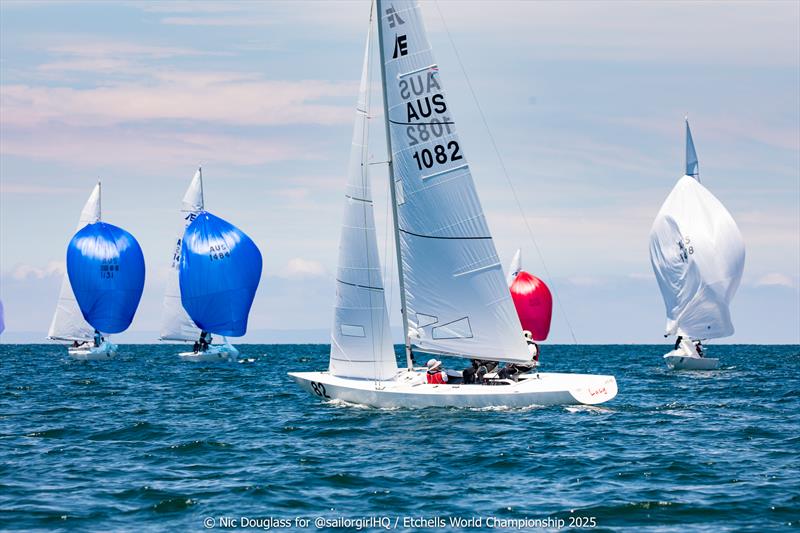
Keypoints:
pixel 99 201
pixel 202 194
pixel 409 362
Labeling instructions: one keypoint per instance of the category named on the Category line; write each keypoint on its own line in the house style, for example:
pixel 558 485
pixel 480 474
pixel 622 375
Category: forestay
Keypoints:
pixel 361 345
pixel 176 325
pixel 457 298
pixel 220 268
pixel 105 266
pixel 68 323
pixel 697 255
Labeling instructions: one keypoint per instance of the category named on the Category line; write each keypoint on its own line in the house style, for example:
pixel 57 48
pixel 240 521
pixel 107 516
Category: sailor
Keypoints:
pixel 477 370
pixel 533 348
pixel 98 339
pixel 698 347
pixel 203 342
pixel 678 342
pixel 196 347
pixel 436 374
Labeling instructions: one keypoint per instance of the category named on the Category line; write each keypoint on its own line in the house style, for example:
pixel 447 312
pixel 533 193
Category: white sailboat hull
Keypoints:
pixel 107 350
pixel 678 360
pixel 409 389
pixel 224 352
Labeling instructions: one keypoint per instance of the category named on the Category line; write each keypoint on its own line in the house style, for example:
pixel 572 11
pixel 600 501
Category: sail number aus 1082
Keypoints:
pixel 425 158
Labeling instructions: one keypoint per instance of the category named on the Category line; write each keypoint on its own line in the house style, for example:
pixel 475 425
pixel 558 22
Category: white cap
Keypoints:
pixel 528 334
pixel 433 363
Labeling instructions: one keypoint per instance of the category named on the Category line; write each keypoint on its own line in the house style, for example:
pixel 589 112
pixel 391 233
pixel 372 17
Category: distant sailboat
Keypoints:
pixel 68 324
pixel 697 253
pixel 218 274
pixel 454 298
pixel 532 300
pixel 176 324
pixel 105 269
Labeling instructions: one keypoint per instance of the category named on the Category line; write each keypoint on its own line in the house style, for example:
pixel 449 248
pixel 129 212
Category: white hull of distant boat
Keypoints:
pixel 107 350
pixel 223 352
pixel 409 389
pixel 677 360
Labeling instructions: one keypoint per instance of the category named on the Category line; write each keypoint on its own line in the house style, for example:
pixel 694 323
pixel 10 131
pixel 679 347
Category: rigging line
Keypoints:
pixel 505 172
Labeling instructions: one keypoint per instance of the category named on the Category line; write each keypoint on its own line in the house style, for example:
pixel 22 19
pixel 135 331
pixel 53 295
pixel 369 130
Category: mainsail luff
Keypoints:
pixel 68 323
pixel 176 325
pixel 361 345
pixel 457 299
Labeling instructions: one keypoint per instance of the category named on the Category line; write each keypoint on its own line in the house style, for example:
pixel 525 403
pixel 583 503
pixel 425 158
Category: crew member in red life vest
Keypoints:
pixel 436 374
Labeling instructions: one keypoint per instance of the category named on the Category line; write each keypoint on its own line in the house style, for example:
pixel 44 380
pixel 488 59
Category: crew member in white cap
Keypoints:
pixel 436 374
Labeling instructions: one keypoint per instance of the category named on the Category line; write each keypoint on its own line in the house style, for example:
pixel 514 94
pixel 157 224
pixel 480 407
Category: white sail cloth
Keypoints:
pixel 361 345
pixel 176 325
pixel 68 323
pixel 457 298
pixel 515 267
pixel 697 253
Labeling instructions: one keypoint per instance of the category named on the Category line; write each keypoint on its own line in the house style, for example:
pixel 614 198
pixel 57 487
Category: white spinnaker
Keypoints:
pixel 457 298
pixel 175 322
pixel 697 253
pixel 515 267
pixel 361 345
pixel 68 323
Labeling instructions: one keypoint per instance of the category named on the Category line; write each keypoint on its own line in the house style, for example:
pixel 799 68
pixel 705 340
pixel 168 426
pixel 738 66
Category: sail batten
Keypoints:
pixel 456 298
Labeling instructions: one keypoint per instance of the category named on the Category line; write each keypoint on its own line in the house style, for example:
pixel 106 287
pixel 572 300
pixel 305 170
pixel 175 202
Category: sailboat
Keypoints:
pixel 105 271
pixel 532 300
pixel 68 324
pixel 453 293
pixel 176 324
pixel 697 253
pixel 218 271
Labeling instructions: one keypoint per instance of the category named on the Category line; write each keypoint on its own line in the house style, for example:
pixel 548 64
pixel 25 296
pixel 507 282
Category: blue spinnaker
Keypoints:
pixel 219 274
pixel 106 270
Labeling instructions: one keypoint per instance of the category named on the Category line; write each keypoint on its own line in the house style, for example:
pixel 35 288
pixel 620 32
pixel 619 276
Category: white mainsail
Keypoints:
pixel 457 299
pixel 361 345
pixel 692 165
pixel 68 323
pixel 697 253
pixel 175 322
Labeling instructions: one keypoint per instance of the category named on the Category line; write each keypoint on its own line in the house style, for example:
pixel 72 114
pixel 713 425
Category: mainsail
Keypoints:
pixel 692 165
pixel 220 268
pixel 176 325
pixel 697 253
pixel 361 345
pixel 68 323
pixel 456 297
pixel 105 266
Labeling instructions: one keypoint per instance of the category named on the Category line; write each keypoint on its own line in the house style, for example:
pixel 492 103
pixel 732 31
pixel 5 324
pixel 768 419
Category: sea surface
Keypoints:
pixel 147 442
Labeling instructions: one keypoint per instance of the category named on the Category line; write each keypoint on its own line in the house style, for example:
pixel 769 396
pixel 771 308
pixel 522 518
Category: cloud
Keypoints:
pixel 221 98
pixel 24 188
pixel 775 279
pixel 53 268
pixel 299 268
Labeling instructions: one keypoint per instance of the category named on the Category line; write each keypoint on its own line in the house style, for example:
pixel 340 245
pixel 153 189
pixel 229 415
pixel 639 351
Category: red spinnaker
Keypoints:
pixel 534 304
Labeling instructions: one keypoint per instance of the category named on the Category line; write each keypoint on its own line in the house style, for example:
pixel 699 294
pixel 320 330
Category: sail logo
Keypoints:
pixel 400 46
pixel 393 18
pixel 219 251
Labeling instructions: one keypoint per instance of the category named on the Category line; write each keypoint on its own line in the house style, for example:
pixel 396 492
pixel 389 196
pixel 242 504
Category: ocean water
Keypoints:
pixel 148 442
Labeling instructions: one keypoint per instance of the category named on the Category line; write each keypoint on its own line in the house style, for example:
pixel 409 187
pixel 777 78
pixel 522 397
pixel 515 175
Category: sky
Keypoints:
pixel 584 100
